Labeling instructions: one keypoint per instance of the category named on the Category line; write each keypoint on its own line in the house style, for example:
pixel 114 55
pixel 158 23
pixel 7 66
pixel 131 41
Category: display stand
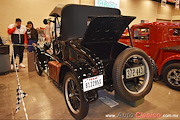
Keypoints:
pixel 133 104
pixel 31 66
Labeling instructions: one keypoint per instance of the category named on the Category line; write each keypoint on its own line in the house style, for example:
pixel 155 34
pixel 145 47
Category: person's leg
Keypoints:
pixel 21 54
pixel 35 43
pixel 30 48
pixel 15 51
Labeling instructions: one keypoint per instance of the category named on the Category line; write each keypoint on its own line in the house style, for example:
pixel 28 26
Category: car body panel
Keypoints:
pixel 170 59
pixel 162 45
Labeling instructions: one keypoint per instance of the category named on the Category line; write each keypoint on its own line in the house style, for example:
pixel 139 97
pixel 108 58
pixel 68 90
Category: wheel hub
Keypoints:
pixel 137 84
pixel 174 77
pixel 72 96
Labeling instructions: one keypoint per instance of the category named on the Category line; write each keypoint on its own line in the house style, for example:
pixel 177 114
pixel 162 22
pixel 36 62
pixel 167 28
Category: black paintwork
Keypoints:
pixel 82 48
pixel 103 33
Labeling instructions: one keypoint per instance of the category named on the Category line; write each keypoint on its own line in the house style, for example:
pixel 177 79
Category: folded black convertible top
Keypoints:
pixel 74 18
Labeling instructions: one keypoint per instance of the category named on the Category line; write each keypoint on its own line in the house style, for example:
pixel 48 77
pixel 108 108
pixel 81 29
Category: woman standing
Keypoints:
pixel 32 35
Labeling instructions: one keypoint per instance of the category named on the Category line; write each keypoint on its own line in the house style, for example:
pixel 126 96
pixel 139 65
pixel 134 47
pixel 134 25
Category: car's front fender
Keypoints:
pixel 168 60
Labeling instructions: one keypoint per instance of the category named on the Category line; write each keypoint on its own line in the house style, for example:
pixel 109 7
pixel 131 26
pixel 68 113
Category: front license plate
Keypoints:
pixel 92 83
pixel 134 72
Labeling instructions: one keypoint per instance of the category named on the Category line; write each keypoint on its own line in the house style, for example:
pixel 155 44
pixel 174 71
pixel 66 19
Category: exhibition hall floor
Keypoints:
pixel 46 101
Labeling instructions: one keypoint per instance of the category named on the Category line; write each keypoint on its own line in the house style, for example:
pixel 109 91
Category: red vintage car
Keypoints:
pixel 161 41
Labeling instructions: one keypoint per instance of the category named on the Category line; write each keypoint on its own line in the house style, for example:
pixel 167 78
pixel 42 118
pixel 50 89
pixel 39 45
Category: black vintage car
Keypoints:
pixel 87 57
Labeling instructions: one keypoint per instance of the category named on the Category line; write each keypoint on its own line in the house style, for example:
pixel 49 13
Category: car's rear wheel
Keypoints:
pixel 132 74
pixel 74 97
pixel 171 76
pixel 38 67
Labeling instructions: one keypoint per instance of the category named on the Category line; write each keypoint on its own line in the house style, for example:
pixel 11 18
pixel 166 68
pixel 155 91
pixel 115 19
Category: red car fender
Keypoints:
pixel 171 58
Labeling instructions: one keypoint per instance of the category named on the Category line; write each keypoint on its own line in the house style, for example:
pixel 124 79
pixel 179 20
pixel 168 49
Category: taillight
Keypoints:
pixel 94 71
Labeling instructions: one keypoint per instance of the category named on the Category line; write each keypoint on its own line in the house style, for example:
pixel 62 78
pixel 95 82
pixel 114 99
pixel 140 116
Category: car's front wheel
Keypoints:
pixel 171 76
pixel 74 97
pixel 132 74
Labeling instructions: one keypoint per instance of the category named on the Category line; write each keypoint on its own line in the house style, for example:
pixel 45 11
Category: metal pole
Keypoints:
pixel 130 37
pixel 55 27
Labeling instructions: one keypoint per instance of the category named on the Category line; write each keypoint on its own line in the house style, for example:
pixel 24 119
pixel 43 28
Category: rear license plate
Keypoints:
pixel 92 83
pixel 134 72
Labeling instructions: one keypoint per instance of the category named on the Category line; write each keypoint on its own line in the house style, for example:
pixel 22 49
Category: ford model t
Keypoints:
pixel 87 57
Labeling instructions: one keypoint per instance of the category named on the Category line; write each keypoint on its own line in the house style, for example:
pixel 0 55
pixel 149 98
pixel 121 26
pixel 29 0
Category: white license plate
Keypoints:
pixel 134 72
pixel 92 83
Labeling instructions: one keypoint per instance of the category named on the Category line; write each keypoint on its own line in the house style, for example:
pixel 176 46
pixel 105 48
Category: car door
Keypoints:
pixel 141 38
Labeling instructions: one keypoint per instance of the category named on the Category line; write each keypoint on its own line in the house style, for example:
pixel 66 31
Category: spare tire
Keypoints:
pixel 132 74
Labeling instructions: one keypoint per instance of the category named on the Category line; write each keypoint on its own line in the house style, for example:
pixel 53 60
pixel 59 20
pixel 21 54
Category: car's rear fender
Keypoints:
pixel 117 48
pixel 80 69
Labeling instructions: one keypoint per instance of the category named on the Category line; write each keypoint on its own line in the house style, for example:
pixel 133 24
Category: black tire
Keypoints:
pixel 155 70
pixel 171 76
pixel 38 67
pixel 76 104
pixel 132 89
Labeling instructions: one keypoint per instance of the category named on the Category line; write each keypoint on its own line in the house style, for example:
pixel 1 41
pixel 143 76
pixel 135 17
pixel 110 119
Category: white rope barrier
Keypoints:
pixel 21 45
pixel 20 93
